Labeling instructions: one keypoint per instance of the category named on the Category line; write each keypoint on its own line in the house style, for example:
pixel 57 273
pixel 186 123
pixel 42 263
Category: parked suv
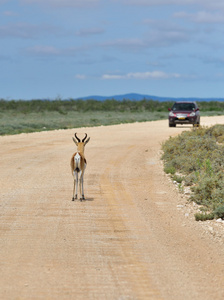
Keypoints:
pixel 183 112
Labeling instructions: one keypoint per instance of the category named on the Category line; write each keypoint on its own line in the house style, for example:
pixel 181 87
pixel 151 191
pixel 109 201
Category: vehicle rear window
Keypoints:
pixel 183 106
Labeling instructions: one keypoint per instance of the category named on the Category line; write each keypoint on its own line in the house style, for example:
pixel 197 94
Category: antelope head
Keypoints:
pixel 80 144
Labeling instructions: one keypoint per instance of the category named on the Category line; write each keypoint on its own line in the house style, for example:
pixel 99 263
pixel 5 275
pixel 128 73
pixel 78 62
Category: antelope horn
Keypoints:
pixel 84 138
pixel 77 138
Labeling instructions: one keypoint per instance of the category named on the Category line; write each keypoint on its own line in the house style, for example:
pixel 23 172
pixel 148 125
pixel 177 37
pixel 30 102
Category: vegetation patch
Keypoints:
pixel 199 156
pixel 39 115
pixel 18 122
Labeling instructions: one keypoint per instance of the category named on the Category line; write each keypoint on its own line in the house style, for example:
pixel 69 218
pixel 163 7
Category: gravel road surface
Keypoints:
pixel 128 240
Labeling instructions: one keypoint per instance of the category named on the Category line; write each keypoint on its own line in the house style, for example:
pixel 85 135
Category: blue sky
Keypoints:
pixel 77 48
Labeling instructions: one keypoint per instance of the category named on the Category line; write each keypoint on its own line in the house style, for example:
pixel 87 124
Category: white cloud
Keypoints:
pixel 43 50
pixel 89 31
pixel 10 13
pixel 143 75
pixel 21 30
pixel 130 45
pixel 208 4
pixel 165 33
pixel 124 43
pixel 62 3
pixel 135 75
pixel 214 3
pixel 109 76
pixel 26 30
pixel 217 61
pixel 202 17
pixel 80 76
pixel 156 2
pixel 163 38
pixel 51 51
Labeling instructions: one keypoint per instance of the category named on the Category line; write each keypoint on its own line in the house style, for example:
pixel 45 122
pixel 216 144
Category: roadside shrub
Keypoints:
pixel 190 179
pixel 168 169
pixel 178 179
pixel 219 212
pixel 203 217
pixel 199 156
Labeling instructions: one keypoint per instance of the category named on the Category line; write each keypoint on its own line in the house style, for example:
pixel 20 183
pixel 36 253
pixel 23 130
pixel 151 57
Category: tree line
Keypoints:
pixel 126 105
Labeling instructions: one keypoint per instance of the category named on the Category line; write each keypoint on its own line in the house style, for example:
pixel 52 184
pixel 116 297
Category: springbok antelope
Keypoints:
pixel 78 165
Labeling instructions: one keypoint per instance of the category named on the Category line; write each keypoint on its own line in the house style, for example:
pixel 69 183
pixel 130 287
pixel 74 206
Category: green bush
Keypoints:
pixel 178 179
pixel 199 156
pixel 203 217
pixel 169 169
pixel 219 212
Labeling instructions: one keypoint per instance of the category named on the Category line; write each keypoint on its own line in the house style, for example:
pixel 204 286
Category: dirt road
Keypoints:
pixel 128 240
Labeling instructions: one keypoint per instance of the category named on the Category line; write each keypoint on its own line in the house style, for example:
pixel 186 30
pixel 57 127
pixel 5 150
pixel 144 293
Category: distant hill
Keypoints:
pixel 138 97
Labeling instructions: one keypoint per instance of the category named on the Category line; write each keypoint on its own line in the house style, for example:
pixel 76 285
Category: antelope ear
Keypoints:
pixel 87 141
pixel 75 141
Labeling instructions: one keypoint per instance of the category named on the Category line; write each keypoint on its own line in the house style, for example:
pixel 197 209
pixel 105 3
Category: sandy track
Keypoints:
pixel 126 241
